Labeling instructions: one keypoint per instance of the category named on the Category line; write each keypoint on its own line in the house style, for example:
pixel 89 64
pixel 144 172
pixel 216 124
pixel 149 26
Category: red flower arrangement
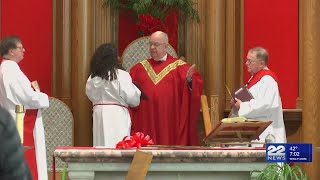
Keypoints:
pixel 136 140
pixel 149 24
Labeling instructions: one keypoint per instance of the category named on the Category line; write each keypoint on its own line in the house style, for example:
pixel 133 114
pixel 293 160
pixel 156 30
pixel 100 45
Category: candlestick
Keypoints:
pixel 19 120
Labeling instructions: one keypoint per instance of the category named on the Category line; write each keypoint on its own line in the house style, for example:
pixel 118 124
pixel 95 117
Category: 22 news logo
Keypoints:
pixel 276 153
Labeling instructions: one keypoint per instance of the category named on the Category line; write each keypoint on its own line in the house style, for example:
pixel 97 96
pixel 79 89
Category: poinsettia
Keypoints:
pixel 149 24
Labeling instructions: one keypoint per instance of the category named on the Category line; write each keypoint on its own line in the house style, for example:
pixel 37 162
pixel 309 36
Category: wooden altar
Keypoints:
pixel 185 163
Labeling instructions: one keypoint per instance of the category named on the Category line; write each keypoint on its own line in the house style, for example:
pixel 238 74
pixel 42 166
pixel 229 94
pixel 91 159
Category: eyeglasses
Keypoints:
pixel 20 47
pixel 251 60
pixel 155 44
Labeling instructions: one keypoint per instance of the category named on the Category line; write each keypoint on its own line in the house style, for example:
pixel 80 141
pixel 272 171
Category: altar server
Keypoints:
pixel 266 105
pixel 111 91
pixel 16 89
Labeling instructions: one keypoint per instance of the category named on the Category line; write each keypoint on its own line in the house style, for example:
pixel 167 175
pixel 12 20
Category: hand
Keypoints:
pixel 143 95
pixel 35 86
pixel 190 72
pixel 232 102
pixel 235 103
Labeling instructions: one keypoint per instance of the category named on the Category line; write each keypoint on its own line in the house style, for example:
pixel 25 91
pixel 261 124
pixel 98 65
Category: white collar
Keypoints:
pixel 163 58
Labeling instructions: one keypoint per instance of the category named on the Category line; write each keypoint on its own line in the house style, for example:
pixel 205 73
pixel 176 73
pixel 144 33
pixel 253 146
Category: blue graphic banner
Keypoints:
pixel 288 152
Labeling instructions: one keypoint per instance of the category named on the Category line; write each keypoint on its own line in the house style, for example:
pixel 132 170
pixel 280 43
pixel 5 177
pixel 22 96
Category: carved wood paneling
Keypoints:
pixel 300 92
pixel 234 47
pixel 311 83
pixel 194 38
pixel 61 73
pixel 214 104
pixel 293 123
pixel 215 50
pixel 105 25
pixel 82 42
pixel 78 28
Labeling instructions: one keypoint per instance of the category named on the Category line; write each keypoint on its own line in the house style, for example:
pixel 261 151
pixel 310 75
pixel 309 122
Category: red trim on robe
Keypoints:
pixel 30 154
pixel 256 78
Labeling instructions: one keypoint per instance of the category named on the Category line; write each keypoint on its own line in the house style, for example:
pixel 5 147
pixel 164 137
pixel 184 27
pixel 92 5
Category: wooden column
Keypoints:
pixel 234 47
pixel 194 40
pixel 105 24
pixel 82 47
pixel 91 24
pixel 311 81
pixel 61 87
pixel 299 98
pixel 215 51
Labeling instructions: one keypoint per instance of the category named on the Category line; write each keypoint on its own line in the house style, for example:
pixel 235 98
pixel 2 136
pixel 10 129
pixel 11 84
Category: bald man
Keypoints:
pixel 170 112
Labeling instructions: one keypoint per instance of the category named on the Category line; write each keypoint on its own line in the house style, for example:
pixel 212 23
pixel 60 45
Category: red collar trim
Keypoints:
pixel 256 78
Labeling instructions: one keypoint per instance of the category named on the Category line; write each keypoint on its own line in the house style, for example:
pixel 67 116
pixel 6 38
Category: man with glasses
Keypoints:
pixel 15 89
pixel 266 105
pixel 169 113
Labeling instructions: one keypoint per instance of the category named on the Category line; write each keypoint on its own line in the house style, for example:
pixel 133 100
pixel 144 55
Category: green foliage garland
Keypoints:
pixel 157 8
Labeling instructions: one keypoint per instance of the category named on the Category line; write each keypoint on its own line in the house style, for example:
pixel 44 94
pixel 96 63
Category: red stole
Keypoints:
pixel 256 78
pixel 30 155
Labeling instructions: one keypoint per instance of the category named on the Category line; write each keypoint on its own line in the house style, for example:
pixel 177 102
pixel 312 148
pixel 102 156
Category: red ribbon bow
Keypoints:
pixel 136 140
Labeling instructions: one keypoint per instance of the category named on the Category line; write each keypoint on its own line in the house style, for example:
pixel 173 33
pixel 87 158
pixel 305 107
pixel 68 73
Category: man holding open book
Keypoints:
pixel 266 103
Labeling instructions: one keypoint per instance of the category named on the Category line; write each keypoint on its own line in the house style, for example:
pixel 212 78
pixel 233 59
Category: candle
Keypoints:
pixel 19 120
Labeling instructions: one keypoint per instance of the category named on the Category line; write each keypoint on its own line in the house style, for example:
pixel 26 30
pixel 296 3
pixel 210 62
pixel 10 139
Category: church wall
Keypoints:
pixel 32 21
pixel 274 25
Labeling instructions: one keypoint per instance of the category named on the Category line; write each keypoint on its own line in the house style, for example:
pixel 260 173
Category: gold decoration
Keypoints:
pixel 158 77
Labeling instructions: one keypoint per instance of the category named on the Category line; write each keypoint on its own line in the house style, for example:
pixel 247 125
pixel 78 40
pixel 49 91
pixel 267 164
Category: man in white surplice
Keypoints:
pixel 15 89
pixel 266 105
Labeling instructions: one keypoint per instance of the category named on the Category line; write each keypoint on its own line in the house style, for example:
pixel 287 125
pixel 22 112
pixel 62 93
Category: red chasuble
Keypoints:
pixel 170 112
pixel 30 154
pixel 256 78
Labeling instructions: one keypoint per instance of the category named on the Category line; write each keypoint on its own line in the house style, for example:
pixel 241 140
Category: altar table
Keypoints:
pixel 167 164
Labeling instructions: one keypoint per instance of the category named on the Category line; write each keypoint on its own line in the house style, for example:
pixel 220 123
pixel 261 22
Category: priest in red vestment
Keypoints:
pixel 172 89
